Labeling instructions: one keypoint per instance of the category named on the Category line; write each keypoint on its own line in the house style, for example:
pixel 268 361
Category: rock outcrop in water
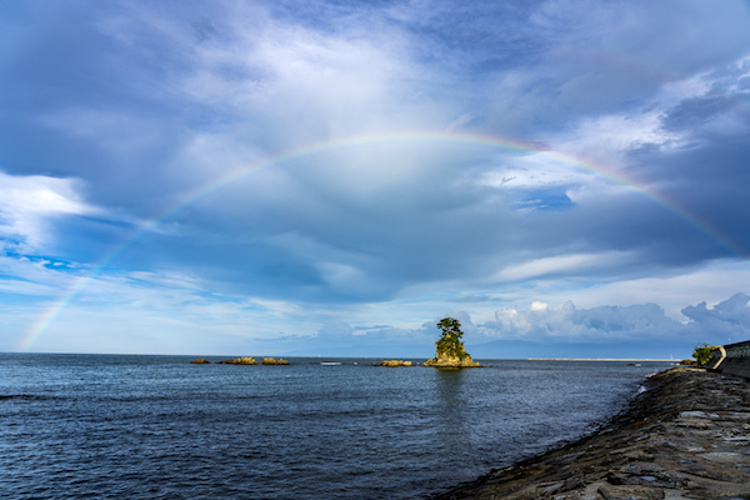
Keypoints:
pixel 274 361
pixel 452 362
pixel 247 360
pixel 394 363
pixel 450 352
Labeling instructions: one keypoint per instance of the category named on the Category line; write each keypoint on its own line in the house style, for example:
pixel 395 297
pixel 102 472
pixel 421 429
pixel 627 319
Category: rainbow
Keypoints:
pixel 500 143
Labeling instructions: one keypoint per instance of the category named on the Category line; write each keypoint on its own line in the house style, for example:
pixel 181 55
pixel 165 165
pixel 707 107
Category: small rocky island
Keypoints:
pixel 450 352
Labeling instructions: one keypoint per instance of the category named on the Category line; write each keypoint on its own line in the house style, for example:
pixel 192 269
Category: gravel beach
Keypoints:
pixel 686 437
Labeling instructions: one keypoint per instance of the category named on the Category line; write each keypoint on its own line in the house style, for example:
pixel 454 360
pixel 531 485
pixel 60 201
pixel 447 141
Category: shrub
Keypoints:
pixel 702 353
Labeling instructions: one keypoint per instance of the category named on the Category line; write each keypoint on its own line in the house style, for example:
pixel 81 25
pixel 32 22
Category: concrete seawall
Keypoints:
pixel 731 359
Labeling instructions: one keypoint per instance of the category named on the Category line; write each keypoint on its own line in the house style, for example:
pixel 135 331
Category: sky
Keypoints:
pixel 331 178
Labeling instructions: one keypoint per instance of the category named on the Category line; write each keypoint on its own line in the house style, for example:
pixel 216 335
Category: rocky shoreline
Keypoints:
pixel 686 437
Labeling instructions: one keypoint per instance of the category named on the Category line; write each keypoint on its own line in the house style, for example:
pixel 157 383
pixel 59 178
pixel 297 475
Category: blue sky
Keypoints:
pixel 567 178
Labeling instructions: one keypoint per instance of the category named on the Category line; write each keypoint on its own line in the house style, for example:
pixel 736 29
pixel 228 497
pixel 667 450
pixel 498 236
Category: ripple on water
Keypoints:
pixel 150 426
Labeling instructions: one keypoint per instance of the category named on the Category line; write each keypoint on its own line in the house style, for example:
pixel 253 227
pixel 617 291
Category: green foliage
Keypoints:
pixel 702 353
pixel 450 343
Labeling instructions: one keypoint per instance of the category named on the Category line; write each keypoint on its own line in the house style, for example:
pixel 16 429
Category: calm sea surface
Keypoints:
pixel 103 426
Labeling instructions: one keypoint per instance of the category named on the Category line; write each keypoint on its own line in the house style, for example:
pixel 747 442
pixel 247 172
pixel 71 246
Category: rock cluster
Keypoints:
pixel 247 360
pixel 686 437
pixel 273 361
pixel 394 363
pixel 446 361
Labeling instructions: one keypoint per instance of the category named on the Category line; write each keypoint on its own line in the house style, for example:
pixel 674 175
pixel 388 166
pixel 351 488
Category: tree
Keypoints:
pixel 702 353
pixel 450 349
pixel 450 340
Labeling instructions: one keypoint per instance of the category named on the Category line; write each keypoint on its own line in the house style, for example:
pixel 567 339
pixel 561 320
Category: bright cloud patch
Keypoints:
pixel 642 322
pixel 29 204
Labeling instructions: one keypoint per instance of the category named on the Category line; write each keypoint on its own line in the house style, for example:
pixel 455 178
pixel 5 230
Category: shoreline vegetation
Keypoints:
pixel 686 436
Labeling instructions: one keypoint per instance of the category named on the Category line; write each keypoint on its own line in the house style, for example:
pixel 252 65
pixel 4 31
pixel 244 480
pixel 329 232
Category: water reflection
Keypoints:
pixel 451 396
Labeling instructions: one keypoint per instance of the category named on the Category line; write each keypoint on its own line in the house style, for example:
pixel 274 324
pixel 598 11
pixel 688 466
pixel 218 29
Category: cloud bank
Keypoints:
pixel 239 175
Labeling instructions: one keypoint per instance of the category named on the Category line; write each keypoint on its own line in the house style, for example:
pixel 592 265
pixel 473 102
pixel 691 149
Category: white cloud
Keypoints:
pixel 730 318
pixel 29 204
pixel 562 264
pixel 145 312
pixel 711 282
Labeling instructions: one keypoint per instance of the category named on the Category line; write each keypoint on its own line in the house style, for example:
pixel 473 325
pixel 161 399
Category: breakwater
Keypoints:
pixel 686 436
pixel 731 359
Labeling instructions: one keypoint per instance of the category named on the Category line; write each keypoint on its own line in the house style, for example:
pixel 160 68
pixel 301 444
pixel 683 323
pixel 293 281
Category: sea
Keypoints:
pixel 118 426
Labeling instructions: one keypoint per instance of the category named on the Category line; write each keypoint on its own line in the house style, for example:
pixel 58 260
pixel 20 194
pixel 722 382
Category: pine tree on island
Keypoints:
pixel 450 350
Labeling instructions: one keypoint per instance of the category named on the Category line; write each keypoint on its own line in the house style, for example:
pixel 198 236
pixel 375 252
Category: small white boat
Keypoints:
pixel 330 363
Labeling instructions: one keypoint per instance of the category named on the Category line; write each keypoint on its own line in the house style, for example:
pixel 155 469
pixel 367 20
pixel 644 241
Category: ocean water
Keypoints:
pixel 75 426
